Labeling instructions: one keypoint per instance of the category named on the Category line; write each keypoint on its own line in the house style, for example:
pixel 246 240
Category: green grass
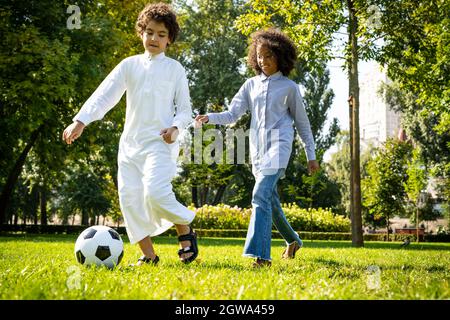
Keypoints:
pixel 44 267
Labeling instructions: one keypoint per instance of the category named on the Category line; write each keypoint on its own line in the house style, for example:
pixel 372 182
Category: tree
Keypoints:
pixel 37 82
pixel 318 99
pixel 48 71
pixel 84 192
pixel 420 201
pixel 384 191
pixel 420 128
pixel 416 51
pixel 338 169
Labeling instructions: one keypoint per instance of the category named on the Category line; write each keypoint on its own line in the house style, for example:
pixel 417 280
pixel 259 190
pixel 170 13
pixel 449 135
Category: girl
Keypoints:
pixel 274 102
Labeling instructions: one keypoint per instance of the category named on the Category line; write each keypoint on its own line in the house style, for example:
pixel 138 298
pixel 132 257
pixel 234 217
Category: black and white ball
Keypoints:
pixel 99 245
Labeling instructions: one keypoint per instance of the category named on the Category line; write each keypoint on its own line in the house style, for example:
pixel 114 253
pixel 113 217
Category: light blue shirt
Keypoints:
pixel 275 103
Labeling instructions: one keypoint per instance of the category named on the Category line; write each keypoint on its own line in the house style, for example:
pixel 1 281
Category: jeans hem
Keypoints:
pixel 299 243
pixel 249 255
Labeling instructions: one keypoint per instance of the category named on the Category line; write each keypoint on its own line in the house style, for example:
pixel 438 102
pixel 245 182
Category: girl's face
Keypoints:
pixel 266 60
pixel 155 37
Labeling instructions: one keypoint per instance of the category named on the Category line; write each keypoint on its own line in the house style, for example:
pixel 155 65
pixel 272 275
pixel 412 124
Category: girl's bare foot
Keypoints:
pixel 289 252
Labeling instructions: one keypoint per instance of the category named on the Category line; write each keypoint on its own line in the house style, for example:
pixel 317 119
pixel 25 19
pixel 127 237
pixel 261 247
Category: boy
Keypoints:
pixel 157 88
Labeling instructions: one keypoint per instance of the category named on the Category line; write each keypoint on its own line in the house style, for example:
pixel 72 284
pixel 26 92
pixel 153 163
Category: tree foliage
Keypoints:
pixel 384 191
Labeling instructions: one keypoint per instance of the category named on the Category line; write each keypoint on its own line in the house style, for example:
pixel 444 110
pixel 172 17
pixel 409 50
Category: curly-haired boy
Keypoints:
pixel 158 106
pixel 274 102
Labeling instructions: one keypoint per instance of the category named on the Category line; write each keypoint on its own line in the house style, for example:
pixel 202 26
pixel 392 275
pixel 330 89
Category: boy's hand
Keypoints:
pixel 202 118
pixel 313 166
pixel 73 132
pixel 169 134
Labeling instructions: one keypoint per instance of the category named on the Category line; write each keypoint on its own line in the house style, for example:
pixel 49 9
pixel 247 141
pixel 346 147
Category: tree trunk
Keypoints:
pixel 204 195
pixel 356 221
pixel 34 204
pixel 84 217
pixel 387 227
pixel 194 192
pixel 219 195
pixel 92 220
pixel 44 204
pixel 5 197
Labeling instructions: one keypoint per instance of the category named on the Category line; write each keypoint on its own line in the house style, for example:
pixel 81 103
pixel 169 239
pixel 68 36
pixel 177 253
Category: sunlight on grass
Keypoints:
pixel 44 267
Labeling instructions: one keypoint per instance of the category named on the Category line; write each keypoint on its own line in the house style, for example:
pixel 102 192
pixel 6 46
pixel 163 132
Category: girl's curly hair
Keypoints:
pixel 160 12
pixel 279 44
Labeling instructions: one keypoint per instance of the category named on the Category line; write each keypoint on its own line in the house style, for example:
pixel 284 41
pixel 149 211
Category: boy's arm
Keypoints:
pixel 183 114
pixel 238 106
pixel 301 121
pixel 104 98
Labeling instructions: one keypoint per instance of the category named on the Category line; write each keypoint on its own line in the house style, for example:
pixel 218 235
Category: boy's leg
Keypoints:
pixel 131 199
pixel 259 234
pixel 182 230
pixel 147 249
pixel 158 171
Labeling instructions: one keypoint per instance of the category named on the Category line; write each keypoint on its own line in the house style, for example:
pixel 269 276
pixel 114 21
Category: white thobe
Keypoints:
pixel 157 98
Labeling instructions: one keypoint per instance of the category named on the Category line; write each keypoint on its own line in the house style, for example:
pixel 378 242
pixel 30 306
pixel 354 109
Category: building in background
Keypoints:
pixel 377 121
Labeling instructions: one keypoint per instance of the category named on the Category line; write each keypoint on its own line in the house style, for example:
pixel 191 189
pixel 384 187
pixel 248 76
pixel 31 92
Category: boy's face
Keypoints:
pixel 155 37
pixel 267 61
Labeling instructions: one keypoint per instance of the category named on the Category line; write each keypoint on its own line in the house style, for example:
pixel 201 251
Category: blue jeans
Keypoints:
pixel 267 209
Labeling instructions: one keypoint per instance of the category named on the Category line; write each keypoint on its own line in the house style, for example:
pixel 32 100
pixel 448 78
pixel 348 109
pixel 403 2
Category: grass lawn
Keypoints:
pixel 44 267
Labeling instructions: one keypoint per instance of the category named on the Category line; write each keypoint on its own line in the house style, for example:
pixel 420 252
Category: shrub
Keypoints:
pixel 221 216
pixel 225 217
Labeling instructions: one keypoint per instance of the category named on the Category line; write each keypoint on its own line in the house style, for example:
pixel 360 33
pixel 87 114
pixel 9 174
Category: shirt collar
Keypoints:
pixel 275 76
pixel 150 57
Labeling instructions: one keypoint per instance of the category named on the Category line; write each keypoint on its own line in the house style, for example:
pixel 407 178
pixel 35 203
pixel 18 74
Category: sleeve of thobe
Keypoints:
pixel 238 106
pixel 301 121
pixel 182 100
pixel 105 97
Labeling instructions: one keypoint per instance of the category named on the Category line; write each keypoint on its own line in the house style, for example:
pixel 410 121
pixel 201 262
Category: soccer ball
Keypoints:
pixel 99 245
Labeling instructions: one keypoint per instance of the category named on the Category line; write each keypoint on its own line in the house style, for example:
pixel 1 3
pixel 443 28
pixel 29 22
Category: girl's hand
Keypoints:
pixel 313 166
pixel 202 118
pixel 73 132
pixel 169 134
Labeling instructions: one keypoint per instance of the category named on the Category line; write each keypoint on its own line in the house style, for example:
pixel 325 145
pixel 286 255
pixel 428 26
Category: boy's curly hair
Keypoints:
pixel 160 12
pixel 281 46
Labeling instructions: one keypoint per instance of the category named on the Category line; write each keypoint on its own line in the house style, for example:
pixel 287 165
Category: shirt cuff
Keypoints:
pixel 212 118
pixel 85 119
pixel 310 155
pixel 180 126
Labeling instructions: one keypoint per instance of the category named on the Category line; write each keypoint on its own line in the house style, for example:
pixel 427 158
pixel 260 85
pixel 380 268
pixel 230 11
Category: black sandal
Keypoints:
pixel 148 260
pixel 192 237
